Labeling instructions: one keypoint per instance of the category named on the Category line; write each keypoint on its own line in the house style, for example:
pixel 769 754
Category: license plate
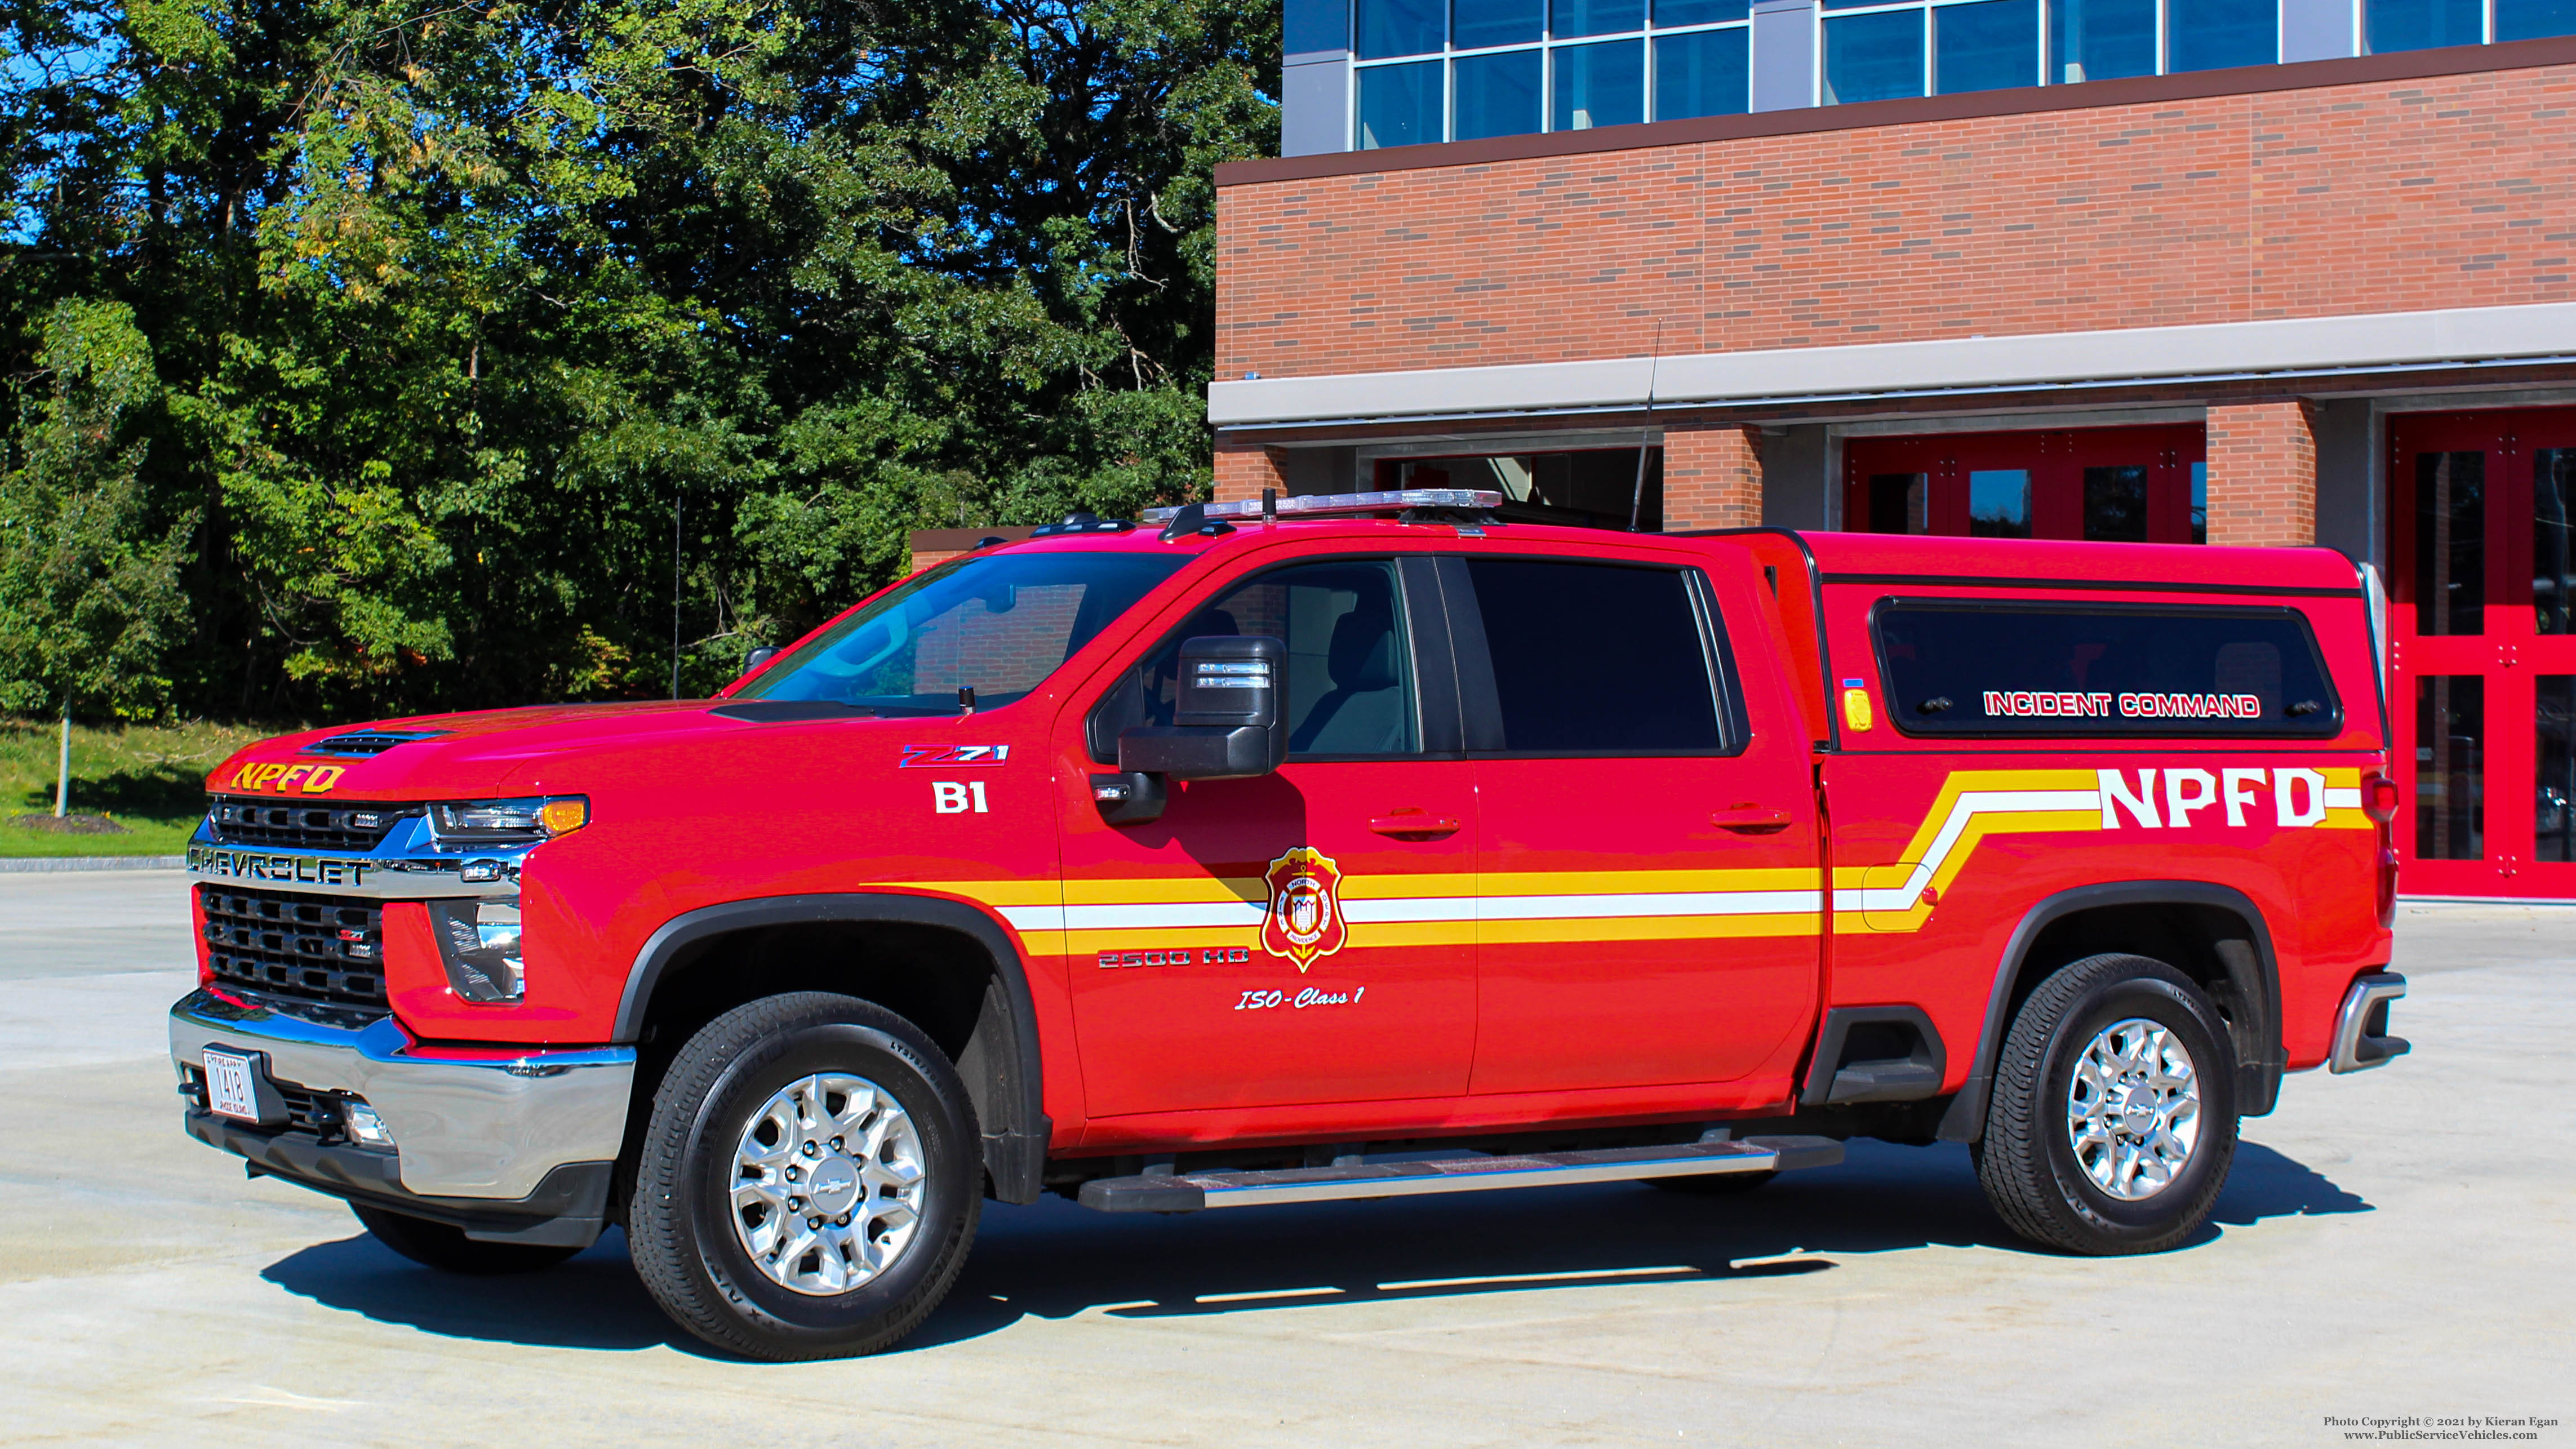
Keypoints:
pixel 228 1086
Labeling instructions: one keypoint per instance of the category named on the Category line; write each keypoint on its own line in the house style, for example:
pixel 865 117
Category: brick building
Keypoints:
pixel 2322 299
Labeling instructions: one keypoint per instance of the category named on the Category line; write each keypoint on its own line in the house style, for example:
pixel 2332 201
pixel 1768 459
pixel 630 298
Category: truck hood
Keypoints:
pixel 458 756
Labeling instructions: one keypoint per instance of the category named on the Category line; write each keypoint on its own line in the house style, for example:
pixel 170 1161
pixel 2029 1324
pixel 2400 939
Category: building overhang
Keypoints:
pixel 2286 348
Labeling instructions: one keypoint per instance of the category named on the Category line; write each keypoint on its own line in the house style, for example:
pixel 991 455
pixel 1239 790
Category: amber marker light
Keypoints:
pixel 564 814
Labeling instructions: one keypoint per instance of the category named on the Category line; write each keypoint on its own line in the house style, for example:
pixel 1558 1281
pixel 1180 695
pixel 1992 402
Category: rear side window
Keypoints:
pixel 1595 659
pixel 2102 669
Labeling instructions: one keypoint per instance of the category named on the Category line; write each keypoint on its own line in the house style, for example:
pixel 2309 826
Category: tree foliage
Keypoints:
pixel 449 302
pixel 90 601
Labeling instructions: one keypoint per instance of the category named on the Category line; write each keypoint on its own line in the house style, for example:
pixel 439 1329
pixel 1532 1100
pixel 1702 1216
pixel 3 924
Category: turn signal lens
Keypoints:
pixel 2379 798
pixel 564 814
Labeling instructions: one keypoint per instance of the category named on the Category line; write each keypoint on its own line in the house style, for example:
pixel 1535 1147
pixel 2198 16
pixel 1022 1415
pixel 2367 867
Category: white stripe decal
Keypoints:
pixel 1971 803
pixel 1033 918
pixel 1177 915
pixel 2343 799
pixel 1660 903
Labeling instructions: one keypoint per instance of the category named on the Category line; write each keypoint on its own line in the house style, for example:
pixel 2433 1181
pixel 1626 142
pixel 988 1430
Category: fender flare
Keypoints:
pixel 2257 983
pixel 1014 1149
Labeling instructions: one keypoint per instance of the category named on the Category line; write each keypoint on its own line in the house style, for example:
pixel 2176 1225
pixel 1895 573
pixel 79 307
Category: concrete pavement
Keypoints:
pixel 2391 1243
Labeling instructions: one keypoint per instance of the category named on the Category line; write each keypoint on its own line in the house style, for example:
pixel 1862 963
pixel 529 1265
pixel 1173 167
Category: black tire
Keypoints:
pixel 436 1245
pixel 1713 1184
pixel 2027 1160
pixel 681 1227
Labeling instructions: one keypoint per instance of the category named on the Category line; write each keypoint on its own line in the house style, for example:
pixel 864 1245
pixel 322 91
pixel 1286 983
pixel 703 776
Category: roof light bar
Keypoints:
pixel 1325 505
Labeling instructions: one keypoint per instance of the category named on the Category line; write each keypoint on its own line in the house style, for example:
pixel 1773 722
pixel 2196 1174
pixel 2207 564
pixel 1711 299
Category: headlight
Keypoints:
pixel 479 941
pixel 498 821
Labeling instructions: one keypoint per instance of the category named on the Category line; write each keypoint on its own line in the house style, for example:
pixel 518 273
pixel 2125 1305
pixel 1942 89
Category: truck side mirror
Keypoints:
pixel 1227 724
pixel 752 662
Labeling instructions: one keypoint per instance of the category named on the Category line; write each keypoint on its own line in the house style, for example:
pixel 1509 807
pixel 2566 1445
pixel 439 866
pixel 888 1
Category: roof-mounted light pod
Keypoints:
pixel 1345 505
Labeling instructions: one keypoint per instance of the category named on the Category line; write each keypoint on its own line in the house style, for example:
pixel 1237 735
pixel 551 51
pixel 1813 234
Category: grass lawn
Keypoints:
pixel 151 779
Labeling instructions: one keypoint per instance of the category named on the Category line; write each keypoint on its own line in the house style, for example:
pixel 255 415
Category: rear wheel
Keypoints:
pixel 810 1180
pixel 436 1245
pixel 2113 1119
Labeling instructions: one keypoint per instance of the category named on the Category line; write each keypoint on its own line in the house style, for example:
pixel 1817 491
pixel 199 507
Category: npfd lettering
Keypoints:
pixel 2298 796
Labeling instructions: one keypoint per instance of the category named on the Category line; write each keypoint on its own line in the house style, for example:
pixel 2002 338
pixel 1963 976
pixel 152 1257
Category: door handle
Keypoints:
pixel 1412 822
pixel 1750 819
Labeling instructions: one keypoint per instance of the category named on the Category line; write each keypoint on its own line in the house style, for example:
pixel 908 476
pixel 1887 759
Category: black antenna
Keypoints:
pixel 1637 498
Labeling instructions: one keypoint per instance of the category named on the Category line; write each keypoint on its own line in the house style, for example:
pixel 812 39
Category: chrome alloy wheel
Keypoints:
pixel 2133 1109
pixel 827 1184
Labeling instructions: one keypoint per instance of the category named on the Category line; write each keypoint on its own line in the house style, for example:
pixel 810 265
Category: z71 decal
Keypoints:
pixel 922 757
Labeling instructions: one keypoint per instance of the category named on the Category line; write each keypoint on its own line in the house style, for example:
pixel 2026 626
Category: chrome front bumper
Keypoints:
pixel 2361 1039
pixel 488 1124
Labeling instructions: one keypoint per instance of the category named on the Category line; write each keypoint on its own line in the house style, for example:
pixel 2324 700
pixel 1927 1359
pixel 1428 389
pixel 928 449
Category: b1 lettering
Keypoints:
pixel 958 797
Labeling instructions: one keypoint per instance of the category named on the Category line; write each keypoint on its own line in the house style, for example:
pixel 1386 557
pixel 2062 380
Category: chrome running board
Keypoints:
pixel 1189 1192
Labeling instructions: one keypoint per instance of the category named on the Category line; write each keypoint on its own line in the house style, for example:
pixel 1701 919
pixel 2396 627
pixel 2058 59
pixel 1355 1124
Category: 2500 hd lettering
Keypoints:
pixel 1346 848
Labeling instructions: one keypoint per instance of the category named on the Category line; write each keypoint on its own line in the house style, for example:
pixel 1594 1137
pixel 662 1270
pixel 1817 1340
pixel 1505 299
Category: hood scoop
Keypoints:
pixel 780 711
pixel 363 743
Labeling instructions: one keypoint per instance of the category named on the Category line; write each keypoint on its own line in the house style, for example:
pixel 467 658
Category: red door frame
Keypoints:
pixel 2509 654
pixel 2055 458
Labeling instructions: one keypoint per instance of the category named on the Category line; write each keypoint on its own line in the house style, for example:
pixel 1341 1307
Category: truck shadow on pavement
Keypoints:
pixel 1055 1260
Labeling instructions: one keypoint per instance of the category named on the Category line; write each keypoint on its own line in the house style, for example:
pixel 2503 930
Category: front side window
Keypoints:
pixel 1596 659
pixel 998 624
pixel 1350 663
pixel 1968 668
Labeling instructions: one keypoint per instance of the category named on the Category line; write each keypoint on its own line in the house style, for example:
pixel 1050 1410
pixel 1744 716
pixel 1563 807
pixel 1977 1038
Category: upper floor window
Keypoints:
pixel 1456 70
pixel 1480 68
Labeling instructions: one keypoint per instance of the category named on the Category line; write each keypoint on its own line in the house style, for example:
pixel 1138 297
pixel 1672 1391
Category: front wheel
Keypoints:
pixel 810 1180
pixel 2113 1119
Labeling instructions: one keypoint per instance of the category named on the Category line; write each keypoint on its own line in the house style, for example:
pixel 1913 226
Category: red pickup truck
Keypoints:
pixel 1339 847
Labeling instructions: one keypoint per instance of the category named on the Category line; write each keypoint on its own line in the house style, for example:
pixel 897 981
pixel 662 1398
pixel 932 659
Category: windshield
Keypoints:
pixel 998 624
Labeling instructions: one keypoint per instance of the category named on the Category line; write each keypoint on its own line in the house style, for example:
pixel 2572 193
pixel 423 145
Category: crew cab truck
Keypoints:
pixel 1338 847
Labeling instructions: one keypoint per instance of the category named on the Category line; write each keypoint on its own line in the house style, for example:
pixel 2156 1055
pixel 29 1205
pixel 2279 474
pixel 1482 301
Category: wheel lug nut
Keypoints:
pixel 793 1174
pixel 811 1150
pixel 836 1145
pixel 794 1203
pixel 845 1220
pixel 814 1222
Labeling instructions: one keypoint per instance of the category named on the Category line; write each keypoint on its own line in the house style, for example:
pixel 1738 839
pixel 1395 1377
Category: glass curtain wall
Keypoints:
pixel 1433 71
pixel 1876 52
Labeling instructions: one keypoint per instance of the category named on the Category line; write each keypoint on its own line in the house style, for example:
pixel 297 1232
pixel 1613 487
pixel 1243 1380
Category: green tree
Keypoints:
pixel 452 303
pixel 90 598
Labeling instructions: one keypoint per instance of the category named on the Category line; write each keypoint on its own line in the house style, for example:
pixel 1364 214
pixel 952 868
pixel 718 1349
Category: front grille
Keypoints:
pixel 327 949
pixel 289 826
pixel 310 1111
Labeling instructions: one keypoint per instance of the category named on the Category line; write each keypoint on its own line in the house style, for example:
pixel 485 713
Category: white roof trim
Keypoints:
pixel 2288 344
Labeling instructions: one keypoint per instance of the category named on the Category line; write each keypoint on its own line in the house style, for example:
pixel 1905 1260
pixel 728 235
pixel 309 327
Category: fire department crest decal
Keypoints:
pixel 1305 920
